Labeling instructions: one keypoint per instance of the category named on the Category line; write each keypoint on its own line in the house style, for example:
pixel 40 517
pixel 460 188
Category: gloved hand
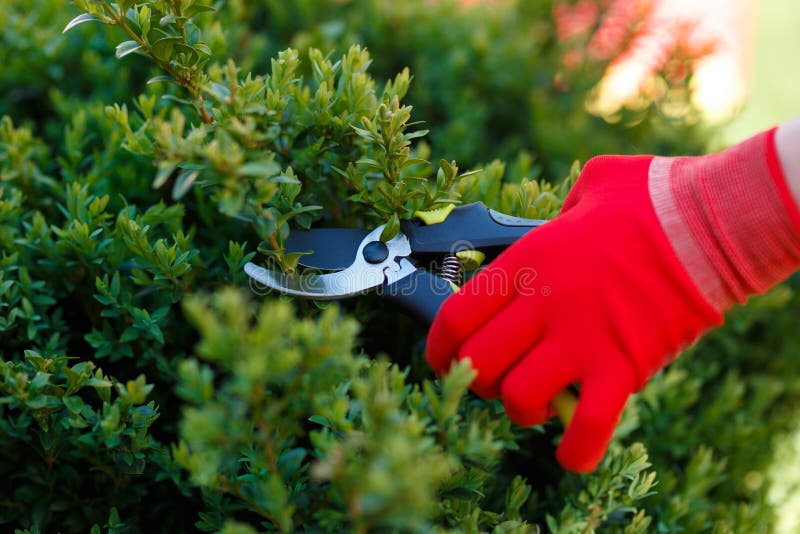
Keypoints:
pixel 646 255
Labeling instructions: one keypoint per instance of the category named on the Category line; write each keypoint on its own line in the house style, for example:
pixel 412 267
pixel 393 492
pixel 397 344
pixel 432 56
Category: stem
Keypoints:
pixel 197 97
pixel 273 242
pixel 204 116
pixel 234 488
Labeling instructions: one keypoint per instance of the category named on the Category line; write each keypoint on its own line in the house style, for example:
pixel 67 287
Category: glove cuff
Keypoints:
pixel 730 218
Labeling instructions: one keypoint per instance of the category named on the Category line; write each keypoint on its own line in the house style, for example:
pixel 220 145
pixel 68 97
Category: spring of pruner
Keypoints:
pixel 452 270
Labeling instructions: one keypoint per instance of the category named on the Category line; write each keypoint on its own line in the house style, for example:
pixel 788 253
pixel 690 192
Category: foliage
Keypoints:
pixel 263 137
pixel 128 209
pixel 53 428
pixel 484 77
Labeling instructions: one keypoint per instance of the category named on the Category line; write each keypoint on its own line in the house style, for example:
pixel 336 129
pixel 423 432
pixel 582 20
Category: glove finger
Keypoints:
pixel 529 387
pixel 503 340
pixel 602 399
pixel 465 312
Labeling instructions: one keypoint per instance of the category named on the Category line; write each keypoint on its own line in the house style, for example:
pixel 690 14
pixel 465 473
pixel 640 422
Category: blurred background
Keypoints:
pixel 772 96
pixel 734 57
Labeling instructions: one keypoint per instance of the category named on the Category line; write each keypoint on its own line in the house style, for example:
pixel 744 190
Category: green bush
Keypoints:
pixel 134 189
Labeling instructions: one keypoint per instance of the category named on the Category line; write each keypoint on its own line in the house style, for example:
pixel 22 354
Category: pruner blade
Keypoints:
pixel 359 277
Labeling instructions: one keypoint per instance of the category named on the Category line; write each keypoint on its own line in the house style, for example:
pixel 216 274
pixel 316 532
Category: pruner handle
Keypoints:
pixel 467 227
pixel 422 294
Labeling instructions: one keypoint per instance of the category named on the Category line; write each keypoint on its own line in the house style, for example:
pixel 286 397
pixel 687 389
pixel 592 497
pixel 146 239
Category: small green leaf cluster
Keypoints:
pixel 518 190
pixel 605 500
pixel 368 451
pixel 55 417
pixel 391 181
pixel 163 31
pixel 62 240
pixel 262 138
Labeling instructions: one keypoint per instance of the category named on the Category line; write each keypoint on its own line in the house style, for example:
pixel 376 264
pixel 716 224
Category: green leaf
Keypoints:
pixel 291 259
pixel 40 380
pixel 99 383
pixel 80 19
pixel 163 174
pixel 203 49
pixel 162 49
pixel 193 165
pixel 183 183
pixel 290 461
pixel 196 9
pixel 320 421
pixel 391 228
pixel 130 334
pixel 39 363
pixel 42 402
pixel 259 168
pixel 177 99
pixel 220 92
pixel 127 47
pixel 374 164
pixel 156 333
pixel 190 54
pixel 74 404
pixel 161 78
pixel 415 135
pixel 143 19
pixel 283 179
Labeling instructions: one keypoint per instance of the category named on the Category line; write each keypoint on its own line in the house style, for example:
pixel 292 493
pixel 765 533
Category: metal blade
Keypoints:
pixel 333 248
pixel 359 277
pixel 317 286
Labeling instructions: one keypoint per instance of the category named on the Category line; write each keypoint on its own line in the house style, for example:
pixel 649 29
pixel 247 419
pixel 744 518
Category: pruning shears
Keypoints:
pixel 418 268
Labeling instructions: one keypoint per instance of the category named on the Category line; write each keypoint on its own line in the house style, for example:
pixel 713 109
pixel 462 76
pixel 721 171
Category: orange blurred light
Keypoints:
pixel 709 40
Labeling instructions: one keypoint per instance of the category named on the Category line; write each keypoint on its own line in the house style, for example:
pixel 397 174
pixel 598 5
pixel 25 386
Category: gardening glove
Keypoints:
pixel 646 255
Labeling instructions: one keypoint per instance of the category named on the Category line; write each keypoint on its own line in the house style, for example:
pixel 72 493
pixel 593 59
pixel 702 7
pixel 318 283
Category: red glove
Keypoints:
pixel 645 256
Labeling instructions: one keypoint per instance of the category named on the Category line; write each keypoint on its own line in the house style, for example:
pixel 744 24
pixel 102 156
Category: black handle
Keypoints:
pixel 471 226
pixel 421 293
